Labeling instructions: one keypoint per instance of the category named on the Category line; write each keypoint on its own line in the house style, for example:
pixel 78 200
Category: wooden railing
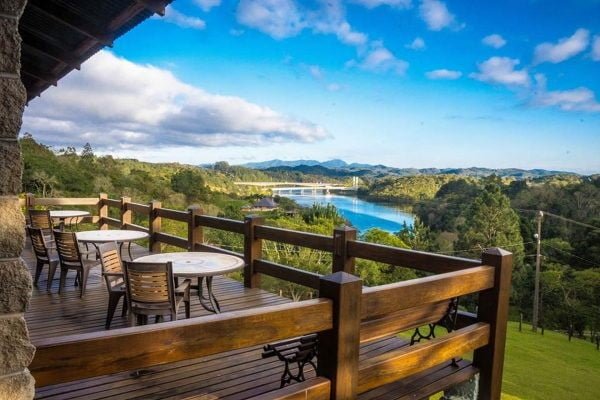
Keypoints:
pixel 345 316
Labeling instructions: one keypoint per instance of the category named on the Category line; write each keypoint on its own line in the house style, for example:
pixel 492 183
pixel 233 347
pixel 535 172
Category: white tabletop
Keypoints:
pixel 197 263
pixel 68 213
pixel 104 236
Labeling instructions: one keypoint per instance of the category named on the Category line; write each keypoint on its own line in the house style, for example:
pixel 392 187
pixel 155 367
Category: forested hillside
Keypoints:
pixel 456 215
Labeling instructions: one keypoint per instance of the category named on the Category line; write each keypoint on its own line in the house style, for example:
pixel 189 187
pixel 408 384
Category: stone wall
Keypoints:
pixel 16 351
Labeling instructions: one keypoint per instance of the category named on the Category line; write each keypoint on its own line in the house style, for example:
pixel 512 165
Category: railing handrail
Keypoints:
pixel 430 262
pixel 73 357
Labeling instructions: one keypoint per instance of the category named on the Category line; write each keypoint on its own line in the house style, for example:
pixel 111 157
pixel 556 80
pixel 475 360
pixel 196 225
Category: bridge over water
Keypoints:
pixel 279 187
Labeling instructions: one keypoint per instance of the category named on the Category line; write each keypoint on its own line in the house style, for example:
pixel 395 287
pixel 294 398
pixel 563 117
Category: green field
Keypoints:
pixel 549 366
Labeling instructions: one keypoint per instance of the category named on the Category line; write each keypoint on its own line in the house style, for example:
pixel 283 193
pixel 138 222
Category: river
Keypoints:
pixel 363 215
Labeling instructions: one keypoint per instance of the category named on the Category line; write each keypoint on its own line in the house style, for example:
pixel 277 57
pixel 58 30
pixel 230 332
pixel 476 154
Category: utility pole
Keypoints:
pixel 538 261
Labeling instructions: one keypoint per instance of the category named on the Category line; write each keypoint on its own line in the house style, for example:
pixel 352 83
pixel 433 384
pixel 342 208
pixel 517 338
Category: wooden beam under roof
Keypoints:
pixel 32 42
pixel 71 19
pixel 156 6
pixel 39 75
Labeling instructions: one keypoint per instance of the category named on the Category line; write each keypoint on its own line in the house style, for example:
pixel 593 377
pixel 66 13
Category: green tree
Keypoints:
pixel 189 182
pixel 491 222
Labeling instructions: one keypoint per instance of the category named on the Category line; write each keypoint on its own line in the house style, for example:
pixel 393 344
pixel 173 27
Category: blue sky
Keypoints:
pixel 406 83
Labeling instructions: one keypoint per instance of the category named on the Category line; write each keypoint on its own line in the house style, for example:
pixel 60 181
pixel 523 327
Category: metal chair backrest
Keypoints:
pixel 67 248
pixel 40 219
pixel 149 284
pixel 112 266
pixel 38 243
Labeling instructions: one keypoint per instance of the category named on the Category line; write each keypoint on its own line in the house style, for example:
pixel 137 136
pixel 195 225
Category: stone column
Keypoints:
pixel 16 351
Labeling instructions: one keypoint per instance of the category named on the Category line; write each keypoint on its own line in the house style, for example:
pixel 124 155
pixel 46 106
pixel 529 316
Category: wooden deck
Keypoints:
pixel 239 374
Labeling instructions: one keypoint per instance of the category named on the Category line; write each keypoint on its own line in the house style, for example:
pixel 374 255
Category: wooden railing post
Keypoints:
pixel 195 233
pixel 341 261
pixel 125 213
pixel 102 211
pixel 493 309
pixel 339 347
pixel 252 250
pixel 154 226
pixel 29 201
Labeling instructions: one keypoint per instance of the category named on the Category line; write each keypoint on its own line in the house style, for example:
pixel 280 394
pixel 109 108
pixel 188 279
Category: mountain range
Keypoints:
pixel 338 167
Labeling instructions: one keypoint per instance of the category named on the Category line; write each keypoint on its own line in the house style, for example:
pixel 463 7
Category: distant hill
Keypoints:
pixel 339 168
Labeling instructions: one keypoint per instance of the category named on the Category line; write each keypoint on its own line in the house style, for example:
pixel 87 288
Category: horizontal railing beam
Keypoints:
pixel 296 238
pixel 318 388
pixel 112 203
pixel 429 262
pixel 175 215
pixel 64 201
pixel 224 224
pixel 69 358
pixel 290 274
pixel 134 227
pixel 216 249
pixel 409 360
pixel 402 320
pixel 385 299
pixel 116 223
pixel 138 208
pixel 171 240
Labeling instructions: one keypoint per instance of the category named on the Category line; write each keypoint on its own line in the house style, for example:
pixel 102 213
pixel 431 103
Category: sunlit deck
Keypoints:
pixel 238 374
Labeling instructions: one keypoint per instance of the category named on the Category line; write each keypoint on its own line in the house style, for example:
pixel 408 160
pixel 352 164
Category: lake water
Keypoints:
pixel 362 214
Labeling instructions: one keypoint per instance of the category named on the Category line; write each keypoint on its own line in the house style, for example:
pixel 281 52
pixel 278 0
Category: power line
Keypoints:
pixel 561 217
pixel 481 248
pixel 571 254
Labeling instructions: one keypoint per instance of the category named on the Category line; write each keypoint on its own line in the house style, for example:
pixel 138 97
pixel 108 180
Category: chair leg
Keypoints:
pixel 63 279
pixel 84 277
pixel 186 303
pixel 51 272
pixel 113 301
pixel 124 311
pixel 38 271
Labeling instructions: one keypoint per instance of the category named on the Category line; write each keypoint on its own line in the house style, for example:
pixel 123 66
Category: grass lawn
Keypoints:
pixel 549 366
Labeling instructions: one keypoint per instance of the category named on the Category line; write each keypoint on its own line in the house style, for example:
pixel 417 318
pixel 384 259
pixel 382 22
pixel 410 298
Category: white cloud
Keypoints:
pixel 206 5
pixel 578 99
pixel 436 14
pixel 564 49
pixel 417 44
pixel 346 35
pixel 377 3
pixel 334 87
pixel 380 59
pixel 596 48
pixel 315 71
pixel 185 21
pixel 501 70
pixel 278 18
pixel 114 103
pixel 496 41
pixel 443 74
pixel 285 18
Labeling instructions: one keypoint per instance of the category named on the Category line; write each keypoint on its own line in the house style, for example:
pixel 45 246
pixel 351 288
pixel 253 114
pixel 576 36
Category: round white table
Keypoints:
pixel 106 236
pixel 199 264
pixel 64 215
